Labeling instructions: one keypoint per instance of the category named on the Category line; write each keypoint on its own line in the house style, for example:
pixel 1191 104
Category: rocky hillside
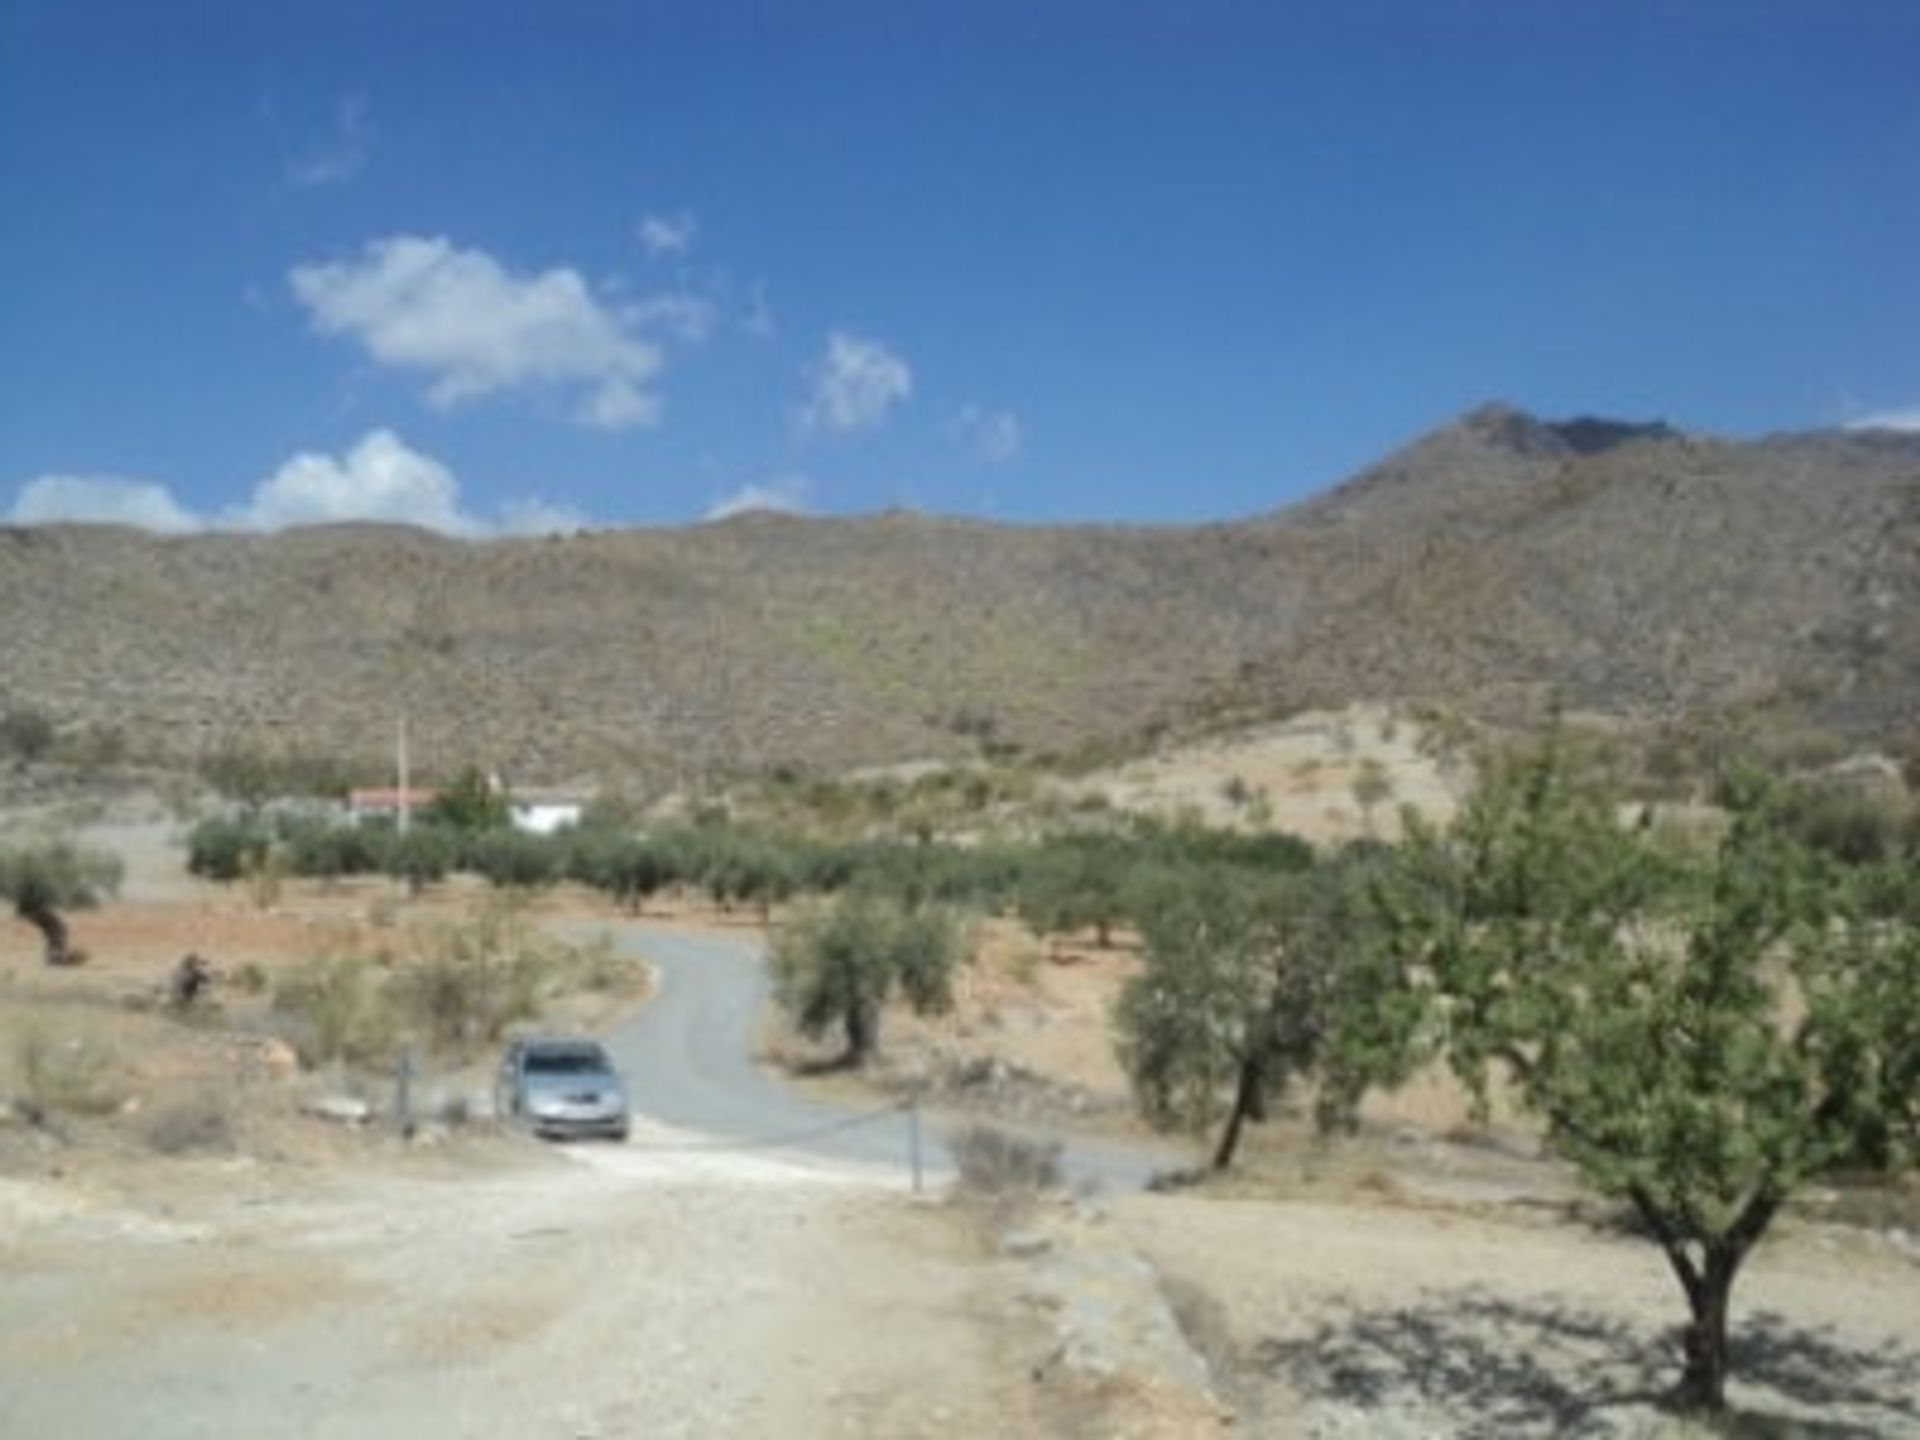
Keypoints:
pixel 1635 568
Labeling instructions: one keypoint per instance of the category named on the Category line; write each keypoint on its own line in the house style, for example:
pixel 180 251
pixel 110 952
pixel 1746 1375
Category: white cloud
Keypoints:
pixel 854 385
pixel 100 500
pixel 685 316
pixel 535 516
pixel 342 155
pixel 785 495
pixel 381 478
pixel 664 236
pixel 475 328
pixel 1903 419
pixel 991 437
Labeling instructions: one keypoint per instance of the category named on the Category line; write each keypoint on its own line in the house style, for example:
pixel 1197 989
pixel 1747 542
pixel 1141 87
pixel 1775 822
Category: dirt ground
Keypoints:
pixel 287 1273
pixel 1327 776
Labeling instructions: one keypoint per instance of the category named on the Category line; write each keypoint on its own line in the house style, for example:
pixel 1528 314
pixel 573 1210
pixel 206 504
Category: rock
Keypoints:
pixel 342 1109
pixel 1023 1244
pixel 273 1057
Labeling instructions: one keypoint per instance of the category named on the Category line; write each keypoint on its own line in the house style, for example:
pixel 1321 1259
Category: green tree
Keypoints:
pixel 471 803
pixel 512 858
pixel 420 855
pixel 223 848
pixel 1077 883
pixel 1701 1032
pixel 1251 982
pixel 837 966
pixel 42 880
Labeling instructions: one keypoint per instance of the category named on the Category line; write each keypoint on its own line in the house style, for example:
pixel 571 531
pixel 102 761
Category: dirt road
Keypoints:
pixel 583 1292
pixel 688 1060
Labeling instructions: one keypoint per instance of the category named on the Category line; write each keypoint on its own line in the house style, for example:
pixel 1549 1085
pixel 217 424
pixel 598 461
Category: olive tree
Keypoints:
pixel 42 880
pixel 836 967
pixel 1252 982
pixel 1700 1030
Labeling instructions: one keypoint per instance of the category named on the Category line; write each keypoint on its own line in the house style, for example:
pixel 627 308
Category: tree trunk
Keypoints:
pixel 1247 1095
pixel 863 1026
pixel 43 918
pixel 1703 1385
pixel 1708 1283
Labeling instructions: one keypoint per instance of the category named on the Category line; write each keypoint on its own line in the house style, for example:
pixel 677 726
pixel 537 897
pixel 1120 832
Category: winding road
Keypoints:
pixel 687 1056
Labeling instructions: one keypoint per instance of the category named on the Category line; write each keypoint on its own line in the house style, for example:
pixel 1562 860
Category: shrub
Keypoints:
pixel 202 1120
pixel 60 1078
pixel 338 1010
pixel 998 1164
pixel 25 733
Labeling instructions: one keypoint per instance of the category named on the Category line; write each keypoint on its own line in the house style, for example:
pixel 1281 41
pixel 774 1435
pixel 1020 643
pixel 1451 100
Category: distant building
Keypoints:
pixel 546 816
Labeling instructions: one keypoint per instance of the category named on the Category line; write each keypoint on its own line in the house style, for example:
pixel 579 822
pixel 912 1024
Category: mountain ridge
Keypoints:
pixel 1629 566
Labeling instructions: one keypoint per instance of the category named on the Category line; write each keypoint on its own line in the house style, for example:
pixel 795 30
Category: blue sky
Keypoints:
pixel 499 266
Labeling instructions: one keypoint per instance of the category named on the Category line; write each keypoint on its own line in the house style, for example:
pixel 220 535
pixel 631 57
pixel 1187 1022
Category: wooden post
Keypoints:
pixel 913 1132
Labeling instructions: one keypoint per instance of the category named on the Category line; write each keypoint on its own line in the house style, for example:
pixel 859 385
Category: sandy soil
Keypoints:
pixel 1358 1319
pixel 590 1292
pixel 1304 775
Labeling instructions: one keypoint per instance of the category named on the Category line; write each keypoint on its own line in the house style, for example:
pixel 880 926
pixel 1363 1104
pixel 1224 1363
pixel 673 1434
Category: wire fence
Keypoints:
pixel 782 1139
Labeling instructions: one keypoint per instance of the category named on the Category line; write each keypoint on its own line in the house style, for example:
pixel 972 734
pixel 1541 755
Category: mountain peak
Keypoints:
pixel 1504 427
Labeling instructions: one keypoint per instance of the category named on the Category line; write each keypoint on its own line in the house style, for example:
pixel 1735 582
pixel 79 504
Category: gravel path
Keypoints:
pixel 591 1292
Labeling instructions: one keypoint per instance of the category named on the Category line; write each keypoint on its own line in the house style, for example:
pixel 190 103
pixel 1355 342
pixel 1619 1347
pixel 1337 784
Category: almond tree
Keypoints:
pixel 1701 1031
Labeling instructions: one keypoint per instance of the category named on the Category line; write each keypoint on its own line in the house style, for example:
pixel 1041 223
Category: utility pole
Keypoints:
pixel 405 797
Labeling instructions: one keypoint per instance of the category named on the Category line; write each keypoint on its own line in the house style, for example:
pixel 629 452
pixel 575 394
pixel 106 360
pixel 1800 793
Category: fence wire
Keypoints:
pixel 775 1141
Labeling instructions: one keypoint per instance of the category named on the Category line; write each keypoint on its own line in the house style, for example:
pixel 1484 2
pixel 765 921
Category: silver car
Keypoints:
pixel 562 1087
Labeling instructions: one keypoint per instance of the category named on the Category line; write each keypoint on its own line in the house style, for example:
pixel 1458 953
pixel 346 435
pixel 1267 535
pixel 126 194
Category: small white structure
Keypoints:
pixel 544 817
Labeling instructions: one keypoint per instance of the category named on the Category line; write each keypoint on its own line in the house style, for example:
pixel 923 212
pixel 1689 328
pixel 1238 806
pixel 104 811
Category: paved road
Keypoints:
pixel 687 1056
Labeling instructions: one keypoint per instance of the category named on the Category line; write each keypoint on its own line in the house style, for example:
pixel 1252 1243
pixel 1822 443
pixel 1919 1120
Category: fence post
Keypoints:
pixel 403 1093
pixel 913 1132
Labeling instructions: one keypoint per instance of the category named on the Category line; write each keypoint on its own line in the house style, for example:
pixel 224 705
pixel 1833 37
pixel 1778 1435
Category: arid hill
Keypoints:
pixel 1635 569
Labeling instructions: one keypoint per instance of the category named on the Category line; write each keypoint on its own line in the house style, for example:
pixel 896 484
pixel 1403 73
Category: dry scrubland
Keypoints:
pixel 1632 570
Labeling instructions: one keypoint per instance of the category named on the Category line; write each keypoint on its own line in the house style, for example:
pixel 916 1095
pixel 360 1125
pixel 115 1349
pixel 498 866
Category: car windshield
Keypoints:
pixel 566 1062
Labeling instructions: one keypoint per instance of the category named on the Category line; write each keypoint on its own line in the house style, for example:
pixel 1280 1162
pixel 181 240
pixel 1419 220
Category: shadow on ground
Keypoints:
pixel 1491 1367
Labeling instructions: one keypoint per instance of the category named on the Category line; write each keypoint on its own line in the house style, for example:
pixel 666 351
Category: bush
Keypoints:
pixel 998 1164
pixel 60 1078
pixel 202 1120
pixel 338 1009
pixel 25 733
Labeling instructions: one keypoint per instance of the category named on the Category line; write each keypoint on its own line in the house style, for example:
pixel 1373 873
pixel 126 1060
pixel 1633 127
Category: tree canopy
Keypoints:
pixel 1701 1027
pixel 44 879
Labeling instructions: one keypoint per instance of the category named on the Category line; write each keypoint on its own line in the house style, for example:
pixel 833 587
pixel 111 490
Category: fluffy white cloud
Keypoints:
pixel 991 437
pixel 664 236
pixel 381 478
pixel 475 328
pixel 100 500
pixel 1906 419
pixel 342 155
pixel 785 495
pixel 855 384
